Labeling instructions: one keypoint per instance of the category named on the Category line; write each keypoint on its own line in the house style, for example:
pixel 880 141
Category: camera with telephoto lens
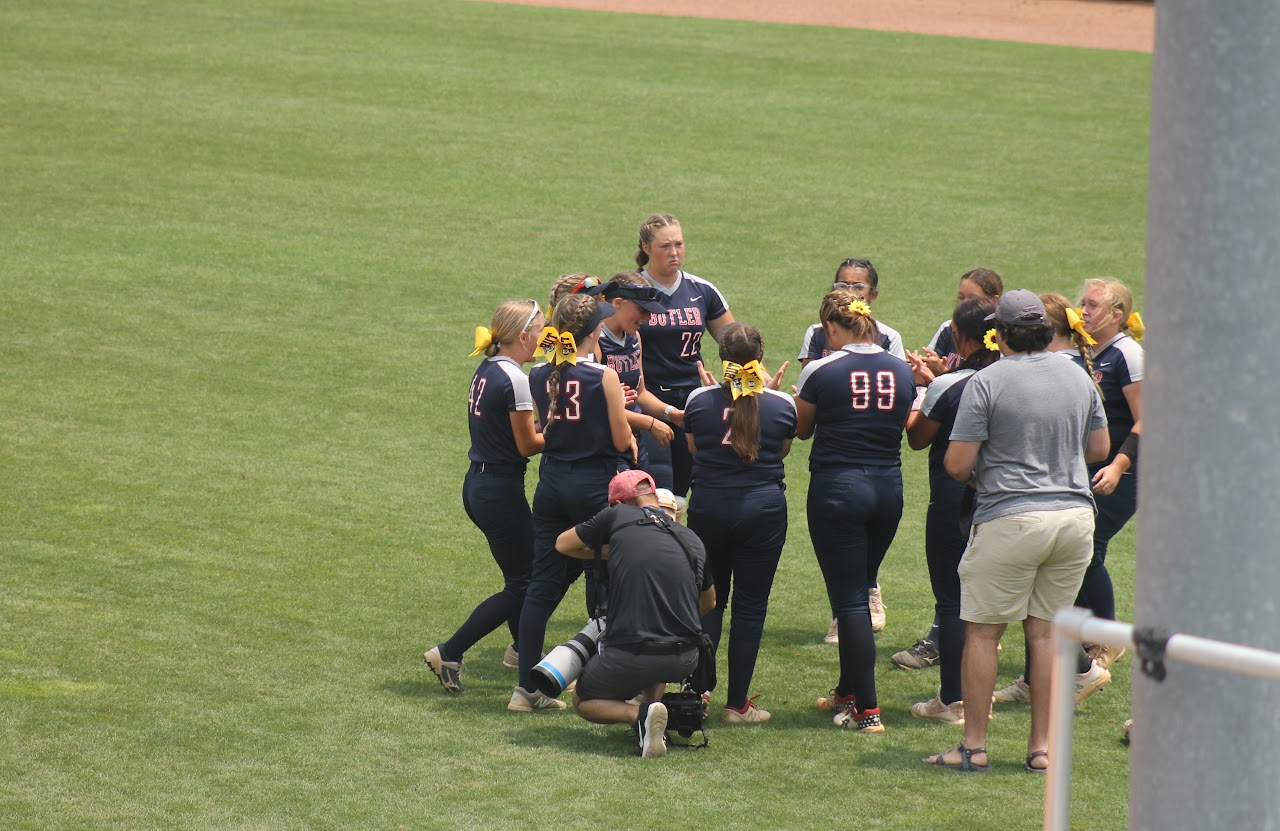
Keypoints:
pixel 686 714
pixel 564 664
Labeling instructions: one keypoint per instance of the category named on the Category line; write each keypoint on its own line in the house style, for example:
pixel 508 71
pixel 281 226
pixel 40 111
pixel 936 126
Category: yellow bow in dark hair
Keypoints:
pixel 484 337
pixel 745 379
pixel 1135 326
pixel 559 347
pixel 1076 324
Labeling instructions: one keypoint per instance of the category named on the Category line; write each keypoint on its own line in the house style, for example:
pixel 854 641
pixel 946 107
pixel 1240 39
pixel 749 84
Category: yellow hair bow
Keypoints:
pixel 989 340
pixel 1135 326
pixel 1076 323
pixel 745 379
pixel 484 338
pixel 559 347
pixel 859 307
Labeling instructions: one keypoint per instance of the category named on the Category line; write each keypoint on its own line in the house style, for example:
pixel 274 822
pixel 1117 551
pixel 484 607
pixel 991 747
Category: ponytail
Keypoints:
pixel 647 230
pixel 742 343
pixel 569 314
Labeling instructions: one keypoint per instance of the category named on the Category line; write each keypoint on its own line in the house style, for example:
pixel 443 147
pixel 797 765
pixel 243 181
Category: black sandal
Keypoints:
pixel 1027 766
pixel 966 760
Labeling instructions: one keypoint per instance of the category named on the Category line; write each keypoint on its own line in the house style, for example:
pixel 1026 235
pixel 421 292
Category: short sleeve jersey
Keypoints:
pixel 1033 413
pixel 707 414
pixel 581 426
pixel 863 396
pixel 623 356
pixel 944 344
pixel 814 345
pixel 1117 364
pixel 653 592
pixel 941 401
pixel 673 339
pixel 498 389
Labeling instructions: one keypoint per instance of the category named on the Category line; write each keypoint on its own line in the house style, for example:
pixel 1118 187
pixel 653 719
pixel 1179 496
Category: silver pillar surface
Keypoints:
pixel 1206 745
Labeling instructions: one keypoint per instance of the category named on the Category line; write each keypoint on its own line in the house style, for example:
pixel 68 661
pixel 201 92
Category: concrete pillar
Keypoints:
pixel 1206 745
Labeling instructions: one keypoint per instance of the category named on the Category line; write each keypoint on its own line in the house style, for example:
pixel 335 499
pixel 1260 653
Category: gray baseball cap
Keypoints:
pixel 1019 308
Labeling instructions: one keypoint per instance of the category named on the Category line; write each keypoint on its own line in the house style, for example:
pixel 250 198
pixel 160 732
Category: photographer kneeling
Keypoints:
pixel 657 595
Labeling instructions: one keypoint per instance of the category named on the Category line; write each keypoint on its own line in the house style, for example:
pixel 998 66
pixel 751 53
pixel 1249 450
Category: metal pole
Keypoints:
pixel 1204 750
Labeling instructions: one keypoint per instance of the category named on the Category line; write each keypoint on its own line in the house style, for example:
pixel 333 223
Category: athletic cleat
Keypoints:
pixel 920 655
pixel 934 709
pixel 750 714
pixel 833 633
pixel 1088 683
pixel 876 602
pixel 835 703
pixel 449 672
pixel 511 658
pixel 523 701
pixel 1016 693
pixel 1104 655
pixel 652 728
pixel 862 721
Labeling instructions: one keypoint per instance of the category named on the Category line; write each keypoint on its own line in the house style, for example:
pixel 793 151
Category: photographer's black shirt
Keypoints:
pixel 653 593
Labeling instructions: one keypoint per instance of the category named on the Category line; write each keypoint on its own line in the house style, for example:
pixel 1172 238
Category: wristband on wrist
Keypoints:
pixel 1129 447
pixel 652 421
pixel 666 412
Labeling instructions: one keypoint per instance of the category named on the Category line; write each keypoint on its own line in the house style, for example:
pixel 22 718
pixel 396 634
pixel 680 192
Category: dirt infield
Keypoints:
pixel 1091 23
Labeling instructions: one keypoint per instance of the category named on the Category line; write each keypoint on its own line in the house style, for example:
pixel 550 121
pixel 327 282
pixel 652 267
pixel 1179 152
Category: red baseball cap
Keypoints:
pixel 625 486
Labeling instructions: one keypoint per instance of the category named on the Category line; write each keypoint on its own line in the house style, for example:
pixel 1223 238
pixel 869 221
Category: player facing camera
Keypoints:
pixel 659 588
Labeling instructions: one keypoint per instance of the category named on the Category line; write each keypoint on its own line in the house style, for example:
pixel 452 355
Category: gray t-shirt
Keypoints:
pixel 1033 413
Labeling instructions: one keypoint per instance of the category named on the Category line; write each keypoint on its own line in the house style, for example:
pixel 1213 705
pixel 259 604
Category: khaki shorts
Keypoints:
pixel 1025 565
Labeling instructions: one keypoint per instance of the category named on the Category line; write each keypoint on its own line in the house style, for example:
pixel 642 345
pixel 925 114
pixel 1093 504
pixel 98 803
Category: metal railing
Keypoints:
pixel 1073 626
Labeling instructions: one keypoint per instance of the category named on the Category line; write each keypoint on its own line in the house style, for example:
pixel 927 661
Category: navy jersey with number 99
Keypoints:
pixel 863 396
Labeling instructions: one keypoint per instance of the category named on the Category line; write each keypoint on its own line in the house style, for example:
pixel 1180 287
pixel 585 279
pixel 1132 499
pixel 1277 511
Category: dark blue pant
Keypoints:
pixel 853 515
pixel 672 466
pixel 1114 510
pixel 568 493
pixel 944 545
pixel 743 532
pixel 496 503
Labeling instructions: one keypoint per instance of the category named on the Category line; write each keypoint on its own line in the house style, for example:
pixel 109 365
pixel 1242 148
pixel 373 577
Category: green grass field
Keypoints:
pixel 242 247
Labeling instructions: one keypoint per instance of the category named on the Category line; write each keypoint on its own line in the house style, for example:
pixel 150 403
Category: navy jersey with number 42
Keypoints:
pixel 498 389
pixel 706 418
pixel 673 339
pixel 581 427
pixel 863 396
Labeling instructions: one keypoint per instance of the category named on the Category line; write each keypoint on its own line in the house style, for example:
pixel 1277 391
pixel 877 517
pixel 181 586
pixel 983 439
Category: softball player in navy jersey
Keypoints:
pixel 854 403
pixel 584 426
pixel 633 300
pixel 860 277
pixel 980 283
pixel 945 534
pixel 503 435
pixel 672 339
pixel 739 432
pixel 1107 310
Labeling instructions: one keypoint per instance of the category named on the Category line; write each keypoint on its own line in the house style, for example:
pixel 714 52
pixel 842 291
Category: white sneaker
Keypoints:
pixel 753 714
pixel 653 731
pixel 1088 683
pixel 523 701
pixel 876 602
pixel 1016 693
pixel 952 713
pixel 833 633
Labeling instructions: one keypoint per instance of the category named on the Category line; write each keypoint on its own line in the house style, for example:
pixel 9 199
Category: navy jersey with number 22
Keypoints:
pixel 673 339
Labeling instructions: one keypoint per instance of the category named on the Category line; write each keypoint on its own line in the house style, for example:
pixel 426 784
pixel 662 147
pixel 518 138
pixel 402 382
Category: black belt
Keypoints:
pixel 492 467
pixel 654 647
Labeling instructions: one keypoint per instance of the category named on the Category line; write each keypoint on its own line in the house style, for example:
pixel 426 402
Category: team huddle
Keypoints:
pixel 1030 409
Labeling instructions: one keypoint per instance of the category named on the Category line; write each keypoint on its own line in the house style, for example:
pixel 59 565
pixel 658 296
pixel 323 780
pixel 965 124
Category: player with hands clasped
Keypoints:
pixel 500 419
